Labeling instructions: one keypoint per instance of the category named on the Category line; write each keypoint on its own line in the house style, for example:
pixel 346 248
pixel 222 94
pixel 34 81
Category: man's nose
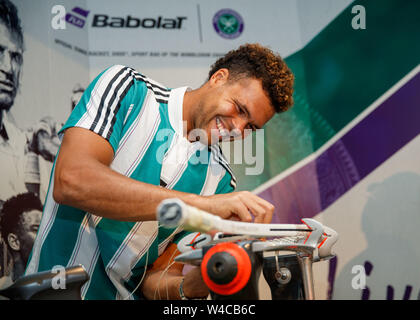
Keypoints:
pixel 239 124
pixel 6 64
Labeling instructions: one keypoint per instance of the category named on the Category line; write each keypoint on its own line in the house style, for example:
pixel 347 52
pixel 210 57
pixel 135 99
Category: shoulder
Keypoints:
pixel 160 91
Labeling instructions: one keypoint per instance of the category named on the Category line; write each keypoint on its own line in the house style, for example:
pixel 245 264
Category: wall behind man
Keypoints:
pixel 311 165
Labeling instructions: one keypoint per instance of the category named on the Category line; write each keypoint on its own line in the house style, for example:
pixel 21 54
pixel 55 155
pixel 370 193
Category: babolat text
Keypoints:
pixel 103 20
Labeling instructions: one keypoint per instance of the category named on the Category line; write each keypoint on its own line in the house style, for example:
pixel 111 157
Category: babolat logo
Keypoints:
pixel 103 20
pixel 76 20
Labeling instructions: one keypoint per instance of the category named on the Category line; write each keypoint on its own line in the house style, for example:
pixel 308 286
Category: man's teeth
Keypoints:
pixel 221 128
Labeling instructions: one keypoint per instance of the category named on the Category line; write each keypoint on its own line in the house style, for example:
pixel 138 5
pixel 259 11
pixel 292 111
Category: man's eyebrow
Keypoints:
pixel 19 51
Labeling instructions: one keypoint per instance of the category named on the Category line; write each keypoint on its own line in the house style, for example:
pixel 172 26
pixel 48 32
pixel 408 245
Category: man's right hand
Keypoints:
pixel 240 205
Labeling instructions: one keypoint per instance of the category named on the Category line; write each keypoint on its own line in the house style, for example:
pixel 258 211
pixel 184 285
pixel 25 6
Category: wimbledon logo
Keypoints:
pixel 228 23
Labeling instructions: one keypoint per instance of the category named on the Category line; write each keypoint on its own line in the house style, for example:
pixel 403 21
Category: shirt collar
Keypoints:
pixel 175 104
pixel 8 123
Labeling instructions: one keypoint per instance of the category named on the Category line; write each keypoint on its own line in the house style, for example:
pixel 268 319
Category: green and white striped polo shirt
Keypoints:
pixel 142 120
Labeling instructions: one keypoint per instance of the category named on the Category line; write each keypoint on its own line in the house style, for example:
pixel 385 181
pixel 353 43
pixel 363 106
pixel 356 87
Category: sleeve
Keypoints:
pixel 106 102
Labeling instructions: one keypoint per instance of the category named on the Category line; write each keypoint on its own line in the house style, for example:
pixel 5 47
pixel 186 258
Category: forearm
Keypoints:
pixel 98 189
pixel 47 147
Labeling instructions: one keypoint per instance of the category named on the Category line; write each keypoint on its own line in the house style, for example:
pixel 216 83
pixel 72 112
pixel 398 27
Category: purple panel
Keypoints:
pixel 387 129
pixel 381 134
pixel 296 196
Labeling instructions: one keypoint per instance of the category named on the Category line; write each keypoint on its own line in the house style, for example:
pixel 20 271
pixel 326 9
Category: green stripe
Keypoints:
pixel 62 238
pixel 101 287
pixel 138 271
pixel 224 185
pixel 193 178
pixel 338 75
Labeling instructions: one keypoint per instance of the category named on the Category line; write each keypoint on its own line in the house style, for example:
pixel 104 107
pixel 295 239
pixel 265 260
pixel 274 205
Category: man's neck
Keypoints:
pixel 3 133
pixel 191 102
pixel 18 266
pixel 187 105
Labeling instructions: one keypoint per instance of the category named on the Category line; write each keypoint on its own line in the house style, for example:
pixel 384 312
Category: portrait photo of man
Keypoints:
pixel 19 222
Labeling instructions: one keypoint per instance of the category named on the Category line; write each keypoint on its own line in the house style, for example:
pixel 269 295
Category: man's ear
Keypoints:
pixel 220 77
pixel 13 241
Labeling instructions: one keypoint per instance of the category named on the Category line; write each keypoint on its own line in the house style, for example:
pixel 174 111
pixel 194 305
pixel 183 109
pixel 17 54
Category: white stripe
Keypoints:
pixel 84 227
pixel 128 113
pixel 167 168
pixel 134 246
pixel 215 174
pixel 48 217
pixel 114 104
pixel 92 106
pixel 340 134
pixel 221 158
pixel 176 160
pixel 90 270
pixel 136 141
pixel 86 251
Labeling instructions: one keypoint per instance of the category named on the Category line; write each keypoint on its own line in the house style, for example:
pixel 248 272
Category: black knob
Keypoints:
pixel 222 267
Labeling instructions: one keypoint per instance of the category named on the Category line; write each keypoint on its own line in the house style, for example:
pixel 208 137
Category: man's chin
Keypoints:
pixel 6 101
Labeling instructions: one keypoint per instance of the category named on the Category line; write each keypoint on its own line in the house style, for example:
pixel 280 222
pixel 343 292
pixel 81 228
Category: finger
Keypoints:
pixel 241 210
pixel 268 216
pixel 262 201
pixel 257 210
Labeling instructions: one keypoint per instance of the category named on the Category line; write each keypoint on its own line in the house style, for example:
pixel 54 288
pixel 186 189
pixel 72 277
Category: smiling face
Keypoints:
pixel 228 107
pixel 10 66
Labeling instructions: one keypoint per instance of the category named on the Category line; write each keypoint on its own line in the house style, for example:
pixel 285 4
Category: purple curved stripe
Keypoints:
pixel 318 184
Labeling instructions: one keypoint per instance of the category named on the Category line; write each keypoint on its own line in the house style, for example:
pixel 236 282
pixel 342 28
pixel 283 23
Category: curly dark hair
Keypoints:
pixel 13 208
pixel 256 61
pixel 9 17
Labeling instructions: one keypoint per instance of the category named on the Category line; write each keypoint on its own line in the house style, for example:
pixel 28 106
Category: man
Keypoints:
pixel 12 140
pixel 20 218
pixel 124 150
pixel 24 156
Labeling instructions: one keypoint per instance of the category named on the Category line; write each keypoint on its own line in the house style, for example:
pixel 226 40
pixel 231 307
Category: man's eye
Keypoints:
pixel 17 57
